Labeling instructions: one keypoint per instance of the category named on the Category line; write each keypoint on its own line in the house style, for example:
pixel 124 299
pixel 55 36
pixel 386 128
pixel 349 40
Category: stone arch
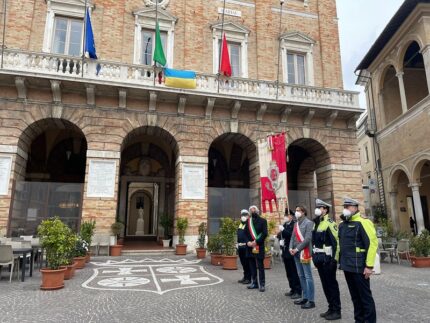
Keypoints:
pixel 418 165
pixel 421 176
pixel 394 176
pixel 389 90
pixel 405 43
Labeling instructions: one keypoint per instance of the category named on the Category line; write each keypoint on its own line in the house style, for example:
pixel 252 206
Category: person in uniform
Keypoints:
pixel 358 245
pixel 256 234
pixel 301 249
pixel 325 248
pixel 284 237
pixel 241 247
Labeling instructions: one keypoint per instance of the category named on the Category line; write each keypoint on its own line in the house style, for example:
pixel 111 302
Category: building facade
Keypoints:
pixel 106 139
pixel 396 73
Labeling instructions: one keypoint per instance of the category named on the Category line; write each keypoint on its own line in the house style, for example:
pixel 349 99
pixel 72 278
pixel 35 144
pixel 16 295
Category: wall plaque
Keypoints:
pixel 5 169
pixel 193 182
pixel 101 178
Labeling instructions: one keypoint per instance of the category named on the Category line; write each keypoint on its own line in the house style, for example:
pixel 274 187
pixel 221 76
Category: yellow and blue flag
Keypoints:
pixel 180 79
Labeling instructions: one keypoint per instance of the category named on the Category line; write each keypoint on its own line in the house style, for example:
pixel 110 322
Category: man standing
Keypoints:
pixel 241 247
pixel 284 236
pixel 256 234
pixel 358 245
pixel 326 247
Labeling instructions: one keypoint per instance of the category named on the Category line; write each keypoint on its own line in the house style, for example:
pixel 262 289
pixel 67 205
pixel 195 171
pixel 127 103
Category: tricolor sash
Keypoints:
pixel 305 254
pixel 253 234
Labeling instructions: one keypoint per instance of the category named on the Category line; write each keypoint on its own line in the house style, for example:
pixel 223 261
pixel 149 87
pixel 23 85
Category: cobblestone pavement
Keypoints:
pixel 402 294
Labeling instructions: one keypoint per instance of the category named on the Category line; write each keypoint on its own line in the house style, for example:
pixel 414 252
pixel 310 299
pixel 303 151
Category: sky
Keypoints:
pixel 360 24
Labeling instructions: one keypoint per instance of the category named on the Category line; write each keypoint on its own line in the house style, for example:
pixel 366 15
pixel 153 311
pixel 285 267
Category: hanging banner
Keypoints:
pixel 273 171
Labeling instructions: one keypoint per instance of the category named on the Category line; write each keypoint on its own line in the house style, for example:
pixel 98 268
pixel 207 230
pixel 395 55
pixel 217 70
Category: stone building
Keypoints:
pixel 104 139
pixel 396 74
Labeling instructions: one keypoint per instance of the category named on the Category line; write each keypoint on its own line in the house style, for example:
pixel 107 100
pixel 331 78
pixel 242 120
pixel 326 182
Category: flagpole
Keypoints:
pixel 84 39
pixel 220 47
pixel 156 22
pixel 279 50
pixel 4 31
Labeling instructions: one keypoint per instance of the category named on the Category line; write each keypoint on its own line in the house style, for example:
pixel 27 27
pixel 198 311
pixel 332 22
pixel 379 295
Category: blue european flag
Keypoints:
pixel 90 46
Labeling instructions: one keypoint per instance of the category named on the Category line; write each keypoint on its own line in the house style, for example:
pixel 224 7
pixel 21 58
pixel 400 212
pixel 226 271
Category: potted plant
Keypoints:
pixel 87 232
pixel 166 222
pixel 69 246
pixel 228 236
pixel 181 226
pixel 215 247
pixel 420 247
pixel 117 228
pixel 53 233
pixel 81 250
pixel 201 241
pixel 271 225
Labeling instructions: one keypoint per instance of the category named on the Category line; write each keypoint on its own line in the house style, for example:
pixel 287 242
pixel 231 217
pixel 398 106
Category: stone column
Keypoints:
pixel 394 211
pixel 402 92
pixel 426 56
pixel 101 204
pixel 419 218
pixel 382 108
pixel 189 203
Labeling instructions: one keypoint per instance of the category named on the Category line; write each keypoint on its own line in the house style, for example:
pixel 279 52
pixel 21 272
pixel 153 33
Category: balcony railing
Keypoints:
pixel 47 64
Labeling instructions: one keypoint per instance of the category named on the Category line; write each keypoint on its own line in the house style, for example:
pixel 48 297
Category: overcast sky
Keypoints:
pixel 360 24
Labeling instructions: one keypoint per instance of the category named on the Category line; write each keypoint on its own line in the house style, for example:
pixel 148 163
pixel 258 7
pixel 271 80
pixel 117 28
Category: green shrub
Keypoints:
pixel 81 247
pixel 228 232
pixel 166 222
pixel 202 235
pixel 70 245
pixel 420 244
pixel 117 228
pixel 214 243
pixel 181 226
pixel 87 231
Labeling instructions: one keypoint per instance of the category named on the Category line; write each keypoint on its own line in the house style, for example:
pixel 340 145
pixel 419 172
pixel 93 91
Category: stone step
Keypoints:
pixel 166 251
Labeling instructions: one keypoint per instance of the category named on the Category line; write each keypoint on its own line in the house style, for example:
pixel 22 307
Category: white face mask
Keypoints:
pixel 347 213
pixel 298 215
pixel 286 220
pixel 318 212
pixel 243 218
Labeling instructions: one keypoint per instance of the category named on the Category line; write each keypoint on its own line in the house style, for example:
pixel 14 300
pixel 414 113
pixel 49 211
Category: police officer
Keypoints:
pixel 241 247
pixel 358 244
pixel 326 242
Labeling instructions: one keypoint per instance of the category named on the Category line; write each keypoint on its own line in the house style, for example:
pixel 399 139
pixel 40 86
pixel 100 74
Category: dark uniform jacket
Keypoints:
pixel 358 244
pixel 260 226
pixel 325 234
pixel 241 235
pixel 286 236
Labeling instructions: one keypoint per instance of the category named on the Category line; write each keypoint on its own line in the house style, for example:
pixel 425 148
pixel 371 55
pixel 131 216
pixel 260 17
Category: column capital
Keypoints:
pixel 400 74
pixel 415 186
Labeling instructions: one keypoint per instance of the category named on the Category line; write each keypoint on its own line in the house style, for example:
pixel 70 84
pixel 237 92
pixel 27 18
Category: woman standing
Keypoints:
pixel 301 249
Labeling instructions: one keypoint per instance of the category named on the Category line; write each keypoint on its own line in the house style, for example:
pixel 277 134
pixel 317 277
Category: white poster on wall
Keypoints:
pixel 193 182
pixel 5 169
pixel 101 178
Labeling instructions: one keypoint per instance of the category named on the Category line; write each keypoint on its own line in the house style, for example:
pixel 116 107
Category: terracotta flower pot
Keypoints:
pixel 70 271
pixel 229 262
pixel 420 262
pixel 80 262
pixel 267 262
pixel 115 251
pixel 216 259
pixel 181 249
pixel 201 253
pixel 52 279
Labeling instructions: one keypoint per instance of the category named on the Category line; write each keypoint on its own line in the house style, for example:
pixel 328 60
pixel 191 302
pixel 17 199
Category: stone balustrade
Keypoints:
pixel 46 64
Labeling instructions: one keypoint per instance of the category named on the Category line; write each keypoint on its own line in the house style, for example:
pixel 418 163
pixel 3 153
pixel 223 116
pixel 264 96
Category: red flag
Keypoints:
pixel 225 67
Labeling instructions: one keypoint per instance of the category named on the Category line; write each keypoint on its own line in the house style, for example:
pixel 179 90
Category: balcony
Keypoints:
pixel 57 67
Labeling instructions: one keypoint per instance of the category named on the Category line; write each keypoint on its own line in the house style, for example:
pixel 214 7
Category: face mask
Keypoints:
pixel 286 220
pixel 298 215
pixel 254 214
pixel 346 214
pixel 243 218
pixel 318 212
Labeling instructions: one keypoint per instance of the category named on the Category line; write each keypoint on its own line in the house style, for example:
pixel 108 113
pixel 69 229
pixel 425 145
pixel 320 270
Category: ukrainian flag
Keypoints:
pixel 180 79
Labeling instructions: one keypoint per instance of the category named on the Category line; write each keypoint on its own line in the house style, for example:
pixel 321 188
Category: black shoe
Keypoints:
pixel 252 286
pixel 333 316
pixel 246 282
pixel 240 281
pixel 290 293
pixel 262 289
pixel 300 301
pixel 296 296
pixel 308 305
pixel 325 313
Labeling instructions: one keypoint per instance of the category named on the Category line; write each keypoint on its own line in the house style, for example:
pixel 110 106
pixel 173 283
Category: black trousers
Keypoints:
pixel 330 285
pixel 245 264
pixel 254 264
pixel 361 295
pixel 292 276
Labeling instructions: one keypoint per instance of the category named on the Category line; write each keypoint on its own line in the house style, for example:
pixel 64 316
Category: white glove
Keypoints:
pixel 281 228
pixel 282 243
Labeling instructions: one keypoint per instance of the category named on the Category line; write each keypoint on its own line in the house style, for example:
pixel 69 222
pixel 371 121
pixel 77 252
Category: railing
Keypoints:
pixel 67 66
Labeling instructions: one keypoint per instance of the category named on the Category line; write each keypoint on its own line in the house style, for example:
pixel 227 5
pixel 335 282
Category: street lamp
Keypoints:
pixel 281 2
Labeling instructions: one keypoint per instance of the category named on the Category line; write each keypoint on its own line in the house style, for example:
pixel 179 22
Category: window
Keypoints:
pixel 67 38
pixel 148 45
pixel 296 68
pixel 234 50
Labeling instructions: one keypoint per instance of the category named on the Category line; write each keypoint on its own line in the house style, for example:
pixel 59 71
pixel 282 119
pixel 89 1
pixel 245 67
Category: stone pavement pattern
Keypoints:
pixel 402 294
